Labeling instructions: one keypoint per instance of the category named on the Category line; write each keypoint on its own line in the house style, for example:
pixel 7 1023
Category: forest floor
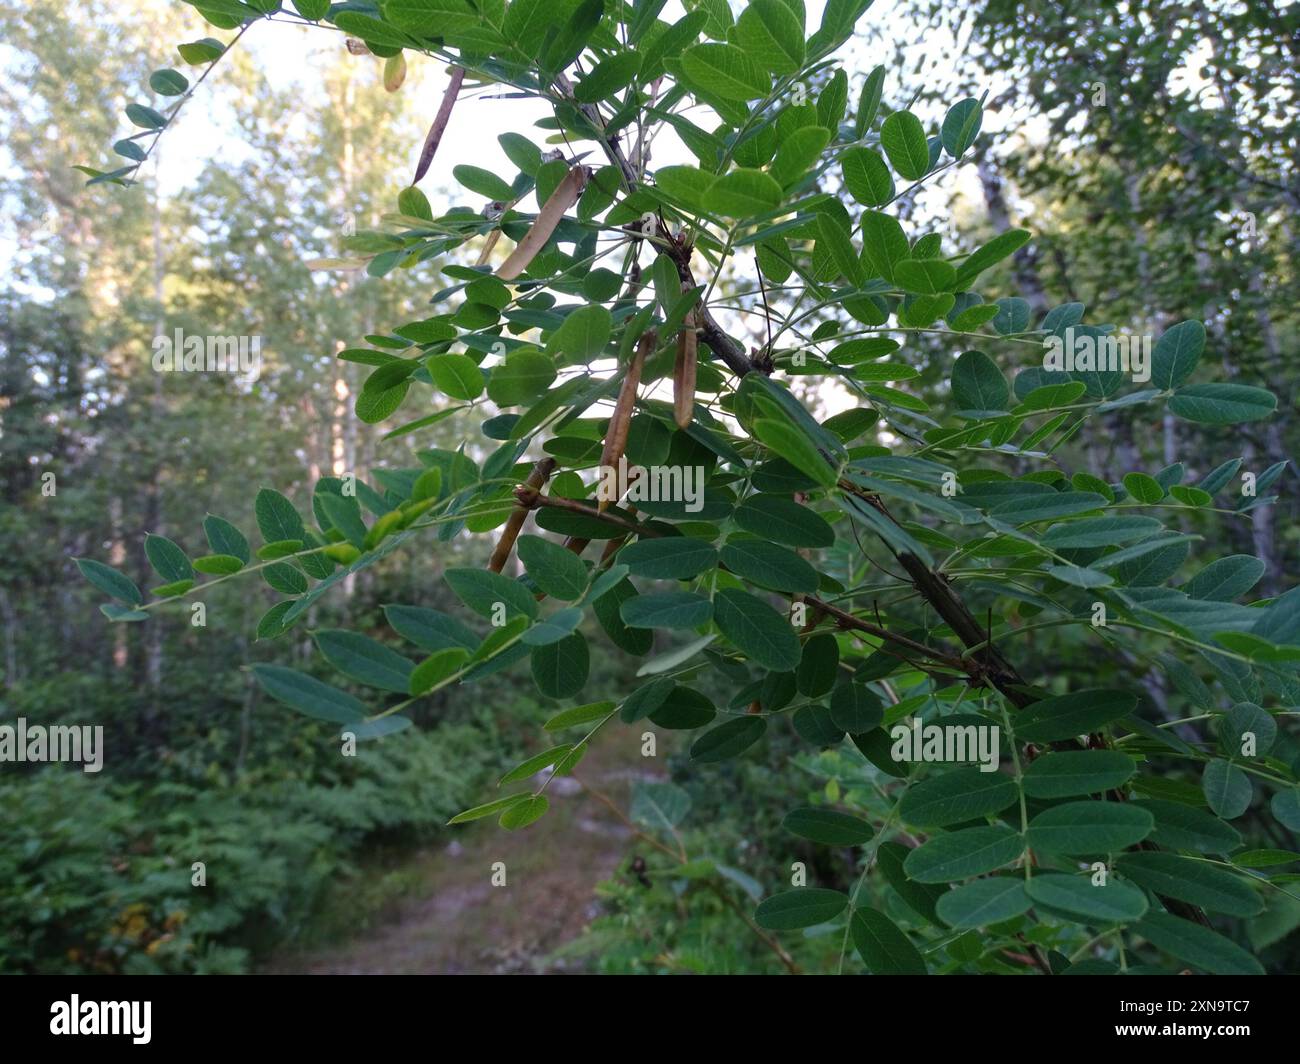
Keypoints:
pixel 436 910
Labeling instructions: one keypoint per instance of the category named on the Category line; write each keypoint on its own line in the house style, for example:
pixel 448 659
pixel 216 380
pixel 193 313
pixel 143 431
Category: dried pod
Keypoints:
pixel 616 434
pixel 684 373
pixel 565 196
pixel 538 477
pixel 434 136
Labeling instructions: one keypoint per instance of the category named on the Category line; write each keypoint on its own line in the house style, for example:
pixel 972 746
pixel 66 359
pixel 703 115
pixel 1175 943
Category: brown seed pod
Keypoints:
pixel 538 477
pixel 616 434
pixel 434 137
pixel 684 373
pixel 565 196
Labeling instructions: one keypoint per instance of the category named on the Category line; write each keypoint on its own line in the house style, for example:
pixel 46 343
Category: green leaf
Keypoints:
pixel 1227 789
pixel 818 665
pixel 607 608
pixel 521 814
pixel 1143 488
pixel 375 404
pixel 798 152
pixel 903 139
pixel 1286 807
pixel 583 335
pixel 1088 827
pixel 961 125
pixel 1048 506
pixel 728 740
pixel 428 629
pixel 827 826
pixel 784 439
pixel 524 376
pixel 560 669
pixel 1226 578
pixel 484 182
pixel 921 898
pixel 110 581
pixel 272 624
pixel 280 548
pixel 1197 945
pixel 867 177
pixel 784 521
pixel 963 854
pixel 743 193
pixel 869 101
pixel 1186 828
pixel 1243 720
pixel 608 77
pixel 1053 719
pixel 771 32
pixel 344 514
pixel 689 185
pixel 801 907
pixel 558 572
pixel 1099 532
pixel 225 538
pixel 1068 773
pixel 285 578
pixel 855 709
pixel 995 251
pixel 659 805
pixel 670 558
pixel 814 725
pixel 1264 858
pixel 488 809
pixel 769 565
pixel 925 276
pixel 167 559
pixel 456 375
pixel 884 949
pixel 1222 404
pixel 116 613
pixel 671 609
pixel 376 729
pixel 956 796
pixel 756 629
pixel 171 590
pixel 1176 354
pixel 481 590
pixel 308 695
pixel 218 564
pixel 883 244
pixel 435 668
pixel 1113 903
pixel 276 518
pixel 144 117
pixel 983 902
pixel 725 71
pixel 168 82
pixel 978 384
pixel 571 718
pixel 196 53
pixel 1191 880
pixel 364 659
pixel 535 764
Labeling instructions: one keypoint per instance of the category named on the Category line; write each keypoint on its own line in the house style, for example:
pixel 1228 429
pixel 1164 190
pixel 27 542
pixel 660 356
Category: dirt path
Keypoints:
pixel 452 919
